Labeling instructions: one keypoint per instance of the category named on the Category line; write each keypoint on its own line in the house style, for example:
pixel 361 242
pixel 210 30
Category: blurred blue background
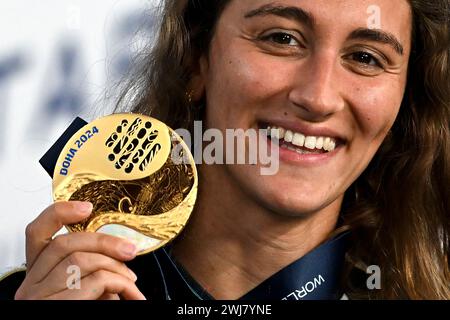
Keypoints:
pixel 58 59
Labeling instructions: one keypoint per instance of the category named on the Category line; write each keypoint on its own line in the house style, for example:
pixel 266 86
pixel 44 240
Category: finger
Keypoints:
pixel 79 265
pixel 98 284
pixel 65 245
pixel 40 232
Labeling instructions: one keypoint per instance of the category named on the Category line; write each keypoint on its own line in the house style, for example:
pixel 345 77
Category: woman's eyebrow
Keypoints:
pixel 294 13
pixel 377 36
pixel 307 19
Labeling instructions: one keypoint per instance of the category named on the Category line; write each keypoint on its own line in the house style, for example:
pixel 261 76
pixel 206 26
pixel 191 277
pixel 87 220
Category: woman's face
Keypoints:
pixel 329 76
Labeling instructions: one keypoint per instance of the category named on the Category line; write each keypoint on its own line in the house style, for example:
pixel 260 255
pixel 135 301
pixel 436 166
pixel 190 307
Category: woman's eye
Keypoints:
pixel 282 38
pixel 365 58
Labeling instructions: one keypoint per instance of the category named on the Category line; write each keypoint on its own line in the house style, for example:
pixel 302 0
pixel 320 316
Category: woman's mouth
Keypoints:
pixel 299 147
pixel 300 143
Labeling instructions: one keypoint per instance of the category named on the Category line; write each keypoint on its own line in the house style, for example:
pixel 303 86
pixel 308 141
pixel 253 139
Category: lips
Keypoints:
pixel 303 144
pixel 307 129
pixel 298 139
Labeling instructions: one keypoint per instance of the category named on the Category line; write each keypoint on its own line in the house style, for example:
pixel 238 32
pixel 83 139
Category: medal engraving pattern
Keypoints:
pixel 157 206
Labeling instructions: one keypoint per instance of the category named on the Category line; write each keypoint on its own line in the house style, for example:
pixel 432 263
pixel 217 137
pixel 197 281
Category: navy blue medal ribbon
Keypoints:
pixel 315 276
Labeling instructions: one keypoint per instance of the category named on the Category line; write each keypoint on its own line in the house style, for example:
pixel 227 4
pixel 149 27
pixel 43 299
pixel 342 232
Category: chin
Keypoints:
pixel 275 197
pixel 293 204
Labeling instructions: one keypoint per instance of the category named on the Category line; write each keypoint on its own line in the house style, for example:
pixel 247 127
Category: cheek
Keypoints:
pixel 243 80
pixel 376 106
pixel 258 76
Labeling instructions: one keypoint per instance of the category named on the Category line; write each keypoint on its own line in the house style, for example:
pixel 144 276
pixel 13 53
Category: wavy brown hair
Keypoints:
pixel 398 209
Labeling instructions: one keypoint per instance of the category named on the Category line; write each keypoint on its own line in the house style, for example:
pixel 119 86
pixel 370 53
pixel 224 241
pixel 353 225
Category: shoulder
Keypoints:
pixel 10 281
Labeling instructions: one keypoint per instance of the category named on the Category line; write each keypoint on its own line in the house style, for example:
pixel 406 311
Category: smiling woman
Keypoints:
pixel 360 117
pixel 314 69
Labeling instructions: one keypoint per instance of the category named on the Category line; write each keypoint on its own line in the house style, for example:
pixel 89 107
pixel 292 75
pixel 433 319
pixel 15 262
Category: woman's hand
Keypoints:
pixel 98 257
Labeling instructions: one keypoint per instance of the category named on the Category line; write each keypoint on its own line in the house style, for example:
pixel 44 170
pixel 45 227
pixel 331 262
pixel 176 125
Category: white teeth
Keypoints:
pixel 332 146
pixel 298 140
pixel 277 133
pixel 310 142
pixel 319 143
pixel 329 144
pixel 289 135
pixel 326 144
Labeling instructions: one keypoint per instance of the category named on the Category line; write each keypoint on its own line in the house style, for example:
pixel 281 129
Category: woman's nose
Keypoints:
pixel 317 94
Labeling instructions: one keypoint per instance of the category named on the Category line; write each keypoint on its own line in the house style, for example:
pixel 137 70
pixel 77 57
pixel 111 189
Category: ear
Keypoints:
pixel 197 84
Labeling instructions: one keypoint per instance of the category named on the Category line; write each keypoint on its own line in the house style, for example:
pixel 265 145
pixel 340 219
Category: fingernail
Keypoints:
pixel 133 275
pixel 128 249
pixel 85 207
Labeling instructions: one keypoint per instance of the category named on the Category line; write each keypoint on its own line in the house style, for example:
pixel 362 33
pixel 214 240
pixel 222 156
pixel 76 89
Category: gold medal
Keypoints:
pixel 137 172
